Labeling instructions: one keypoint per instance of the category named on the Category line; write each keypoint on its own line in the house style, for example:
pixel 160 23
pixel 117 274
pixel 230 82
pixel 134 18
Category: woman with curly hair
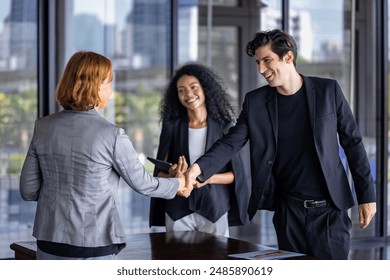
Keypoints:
pixel 195 112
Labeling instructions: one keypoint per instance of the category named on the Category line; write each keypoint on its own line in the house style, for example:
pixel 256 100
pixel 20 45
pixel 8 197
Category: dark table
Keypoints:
pixel 179 245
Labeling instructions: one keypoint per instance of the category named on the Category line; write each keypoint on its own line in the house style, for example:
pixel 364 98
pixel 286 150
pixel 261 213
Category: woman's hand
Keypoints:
pixel 181 167
pixel 179 170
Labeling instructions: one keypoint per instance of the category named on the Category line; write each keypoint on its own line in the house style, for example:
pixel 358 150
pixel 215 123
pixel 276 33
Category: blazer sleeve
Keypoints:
pixel 238 214
pixel 352 143
pixel 225 148
pixel 31 175
pixel 134 173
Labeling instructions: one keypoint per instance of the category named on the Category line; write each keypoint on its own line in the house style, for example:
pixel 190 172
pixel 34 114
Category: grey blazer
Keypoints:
pixel 73 168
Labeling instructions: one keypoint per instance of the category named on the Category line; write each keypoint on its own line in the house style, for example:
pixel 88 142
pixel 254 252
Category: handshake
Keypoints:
pixel 187 177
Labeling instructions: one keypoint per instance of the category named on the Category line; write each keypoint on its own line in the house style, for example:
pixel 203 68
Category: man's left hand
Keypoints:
pixel 366 213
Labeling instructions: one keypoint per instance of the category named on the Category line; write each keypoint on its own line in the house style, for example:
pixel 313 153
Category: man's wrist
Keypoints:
pixel 196 169
pixel 200 177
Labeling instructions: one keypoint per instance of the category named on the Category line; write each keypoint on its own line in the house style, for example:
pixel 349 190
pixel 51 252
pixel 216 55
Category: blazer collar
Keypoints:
pixel 273 109
pixel 88 112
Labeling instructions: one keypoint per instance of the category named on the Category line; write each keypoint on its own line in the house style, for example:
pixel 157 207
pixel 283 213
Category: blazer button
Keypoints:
pixel 270 162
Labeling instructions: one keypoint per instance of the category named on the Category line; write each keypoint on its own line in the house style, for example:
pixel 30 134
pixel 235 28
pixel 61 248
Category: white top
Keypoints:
pixel 196 142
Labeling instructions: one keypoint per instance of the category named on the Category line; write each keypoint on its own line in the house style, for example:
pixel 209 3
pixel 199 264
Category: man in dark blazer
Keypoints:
pixel 294 126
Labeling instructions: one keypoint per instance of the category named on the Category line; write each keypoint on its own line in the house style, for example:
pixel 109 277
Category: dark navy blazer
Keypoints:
pixel 210 201
pixel 332 122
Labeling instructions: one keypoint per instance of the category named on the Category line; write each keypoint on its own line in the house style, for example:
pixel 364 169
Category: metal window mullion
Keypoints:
pixel 46 71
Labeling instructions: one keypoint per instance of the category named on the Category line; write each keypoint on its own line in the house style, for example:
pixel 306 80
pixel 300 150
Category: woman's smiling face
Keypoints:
pixel 190 92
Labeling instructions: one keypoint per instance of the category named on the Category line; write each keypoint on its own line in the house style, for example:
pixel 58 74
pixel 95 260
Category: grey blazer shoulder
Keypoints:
pixel 73 169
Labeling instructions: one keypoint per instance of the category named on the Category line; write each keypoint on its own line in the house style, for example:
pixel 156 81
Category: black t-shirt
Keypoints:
pixel 297 169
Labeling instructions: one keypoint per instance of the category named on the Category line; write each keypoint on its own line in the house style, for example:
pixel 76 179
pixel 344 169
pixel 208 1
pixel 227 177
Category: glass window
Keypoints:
pixel 231 3
pixel 224 55
pixel 271 14
pixel 193 46
pixel 18 111
pixel 135 35
pixel 188 31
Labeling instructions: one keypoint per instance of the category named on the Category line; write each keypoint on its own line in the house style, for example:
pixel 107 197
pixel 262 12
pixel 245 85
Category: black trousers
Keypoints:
pixel 321 232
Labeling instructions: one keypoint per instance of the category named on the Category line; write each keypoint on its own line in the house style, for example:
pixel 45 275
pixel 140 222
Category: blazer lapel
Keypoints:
pixel 183 136
pixel 272 111
pixel 311 101
pixel 212 133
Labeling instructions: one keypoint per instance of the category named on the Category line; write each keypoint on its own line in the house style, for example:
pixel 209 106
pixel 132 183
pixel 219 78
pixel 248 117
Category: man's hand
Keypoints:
pixel 366 213
pixel 192 172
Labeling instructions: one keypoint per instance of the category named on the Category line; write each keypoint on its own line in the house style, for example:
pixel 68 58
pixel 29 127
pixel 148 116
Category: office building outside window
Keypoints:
pixel 18 112
pixel 137 35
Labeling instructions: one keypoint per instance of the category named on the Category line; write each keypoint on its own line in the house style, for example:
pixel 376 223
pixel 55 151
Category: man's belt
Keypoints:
pixel 309 203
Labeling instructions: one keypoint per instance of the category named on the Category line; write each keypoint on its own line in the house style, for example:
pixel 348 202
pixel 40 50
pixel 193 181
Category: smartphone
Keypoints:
pixel 160 164
pixel 164 166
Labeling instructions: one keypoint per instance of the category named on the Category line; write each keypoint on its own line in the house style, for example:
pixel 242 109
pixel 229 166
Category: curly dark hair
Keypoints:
pixel 217 99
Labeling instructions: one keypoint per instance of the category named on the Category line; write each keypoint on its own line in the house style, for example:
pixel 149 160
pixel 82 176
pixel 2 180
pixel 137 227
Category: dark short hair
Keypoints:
pixel 281 43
